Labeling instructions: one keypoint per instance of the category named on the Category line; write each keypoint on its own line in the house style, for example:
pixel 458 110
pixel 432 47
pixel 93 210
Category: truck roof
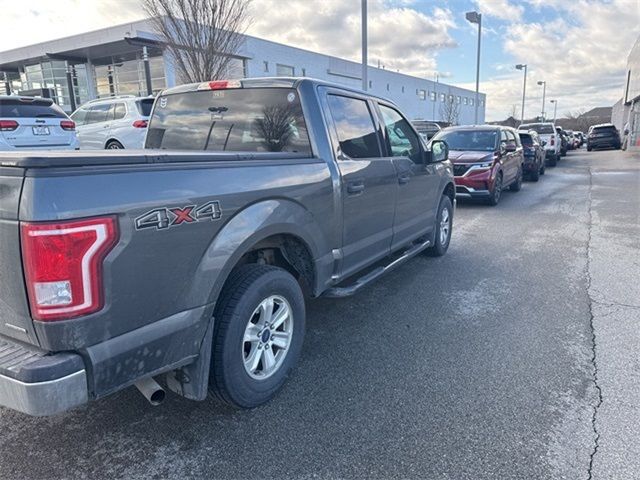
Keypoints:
pixel 263 82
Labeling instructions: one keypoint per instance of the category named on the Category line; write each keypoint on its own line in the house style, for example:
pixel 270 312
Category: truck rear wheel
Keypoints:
pixel 258 335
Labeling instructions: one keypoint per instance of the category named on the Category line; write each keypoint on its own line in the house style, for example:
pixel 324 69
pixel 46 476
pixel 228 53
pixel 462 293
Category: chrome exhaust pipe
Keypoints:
pixel 153 392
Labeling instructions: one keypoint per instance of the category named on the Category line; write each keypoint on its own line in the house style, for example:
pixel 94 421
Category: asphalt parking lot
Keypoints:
pixel 513 356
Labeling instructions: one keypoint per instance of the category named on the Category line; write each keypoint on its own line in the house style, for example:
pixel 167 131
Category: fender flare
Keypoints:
pixel 245 229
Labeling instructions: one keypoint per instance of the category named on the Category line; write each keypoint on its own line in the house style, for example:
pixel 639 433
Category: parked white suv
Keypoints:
pixel 548 134
pixel 28 123
pixel 114 122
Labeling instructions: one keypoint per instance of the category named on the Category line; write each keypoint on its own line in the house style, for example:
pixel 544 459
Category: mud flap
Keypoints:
pixel 192 381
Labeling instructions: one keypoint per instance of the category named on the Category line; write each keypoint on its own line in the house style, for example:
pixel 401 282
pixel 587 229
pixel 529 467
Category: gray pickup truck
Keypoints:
pixel 191 259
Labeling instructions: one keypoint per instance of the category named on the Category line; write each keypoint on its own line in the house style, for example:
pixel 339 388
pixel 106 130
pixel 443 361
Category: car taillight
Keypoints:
pixel 63 266
pixel 8 125
pixel 220 85
pixel 68 124
pixel 140 124
pixel 552 141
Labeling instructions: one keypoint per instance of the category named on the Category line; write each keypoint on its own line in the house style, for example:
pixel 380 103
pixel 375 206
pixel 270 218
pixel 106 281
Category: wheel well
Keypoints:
pixel 111 140
pixel 284 251
pixel 450 192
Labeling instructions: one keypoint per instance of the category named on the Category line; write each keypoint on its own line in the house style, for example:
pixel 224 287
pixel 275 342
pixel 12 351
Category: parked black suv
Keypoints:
pixel 603 136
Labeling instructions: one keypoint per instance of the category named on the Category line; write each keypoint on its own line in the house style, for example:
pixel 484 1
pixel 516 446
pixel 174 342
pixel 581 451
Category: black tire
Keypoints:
pixel 535 175
pixel 496 193
pixel 440 247
pixel 589 148
pixel 114 145
pixel 552 161
pixel 516 186
pixel 246 288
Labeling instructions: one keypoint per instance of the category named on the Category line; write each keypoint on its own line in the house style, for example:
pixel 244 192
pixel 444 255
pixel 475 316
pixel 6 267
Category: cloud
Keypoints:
pixel 582 59
pixel 502 9
pixel 33 21
pixel 399 37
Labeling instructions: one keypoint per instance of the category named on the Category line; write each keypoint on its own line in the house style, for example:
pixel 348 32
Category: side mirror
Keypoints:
pixel 438 151
pixel 510 148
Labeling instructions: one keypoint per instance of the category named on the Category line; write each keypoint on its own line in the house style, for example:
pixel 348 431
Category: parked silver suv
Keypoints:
pixel 114 122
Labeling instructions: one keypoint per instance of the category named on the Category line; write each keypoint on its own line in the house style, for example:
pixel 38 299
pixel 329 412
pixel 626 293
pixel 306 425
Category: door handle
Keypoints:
pixel 403 179
pixel 354 188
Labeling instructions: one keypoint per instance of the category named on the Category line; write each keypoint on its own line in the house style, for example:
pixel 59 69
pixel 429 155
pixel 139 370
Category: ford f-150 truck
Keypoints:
pixel 190 259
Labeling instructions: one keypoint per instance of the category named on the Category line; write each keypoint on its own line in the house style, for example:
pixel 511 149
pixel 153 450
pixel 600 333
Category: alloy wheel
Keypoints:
pixel 267 337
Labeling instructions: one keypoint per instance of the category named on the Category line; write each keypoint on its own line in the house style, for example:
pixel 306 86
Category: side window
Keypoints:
pixel 503 138
pixel 356 132
pixel 80 116
pixel 511 138
pixel 120 111
pixel 402 139
pixel 98 113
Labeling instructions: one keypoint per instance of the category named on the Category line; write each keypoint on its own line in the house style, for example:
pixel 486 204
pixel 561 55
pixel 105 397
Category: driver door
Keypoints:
pixel 418 182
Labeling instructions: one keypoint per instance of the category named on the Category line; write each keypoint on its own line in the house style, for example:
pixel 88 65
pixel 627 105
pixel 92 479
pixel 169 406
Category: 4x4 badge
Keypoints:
pixel 162 218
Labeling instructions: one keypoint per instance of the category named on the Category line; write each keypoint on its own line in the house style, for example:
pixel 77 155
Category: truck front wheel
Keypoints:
pixel 444 226
pixel 258 334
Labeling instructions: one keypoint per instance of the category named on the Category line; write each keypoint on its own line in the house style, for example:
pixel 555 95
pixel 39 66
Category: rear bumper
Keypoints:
pixel 39 384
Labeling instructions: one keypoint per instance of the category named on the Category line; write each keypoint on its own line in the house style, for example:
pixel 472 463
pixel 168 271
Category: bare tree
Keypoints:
pixel 202 36
pixel 450 110
pixel 513 112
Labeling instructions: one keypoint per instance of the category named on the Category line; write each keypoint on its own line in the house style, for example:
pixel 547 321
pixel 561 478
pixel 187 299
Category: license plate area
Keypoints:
pixel 40 130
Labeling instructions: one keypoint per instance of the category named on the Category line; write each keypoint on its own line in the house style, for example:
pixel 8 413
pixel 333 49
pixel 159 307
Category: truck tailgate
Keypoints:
pixel 15 319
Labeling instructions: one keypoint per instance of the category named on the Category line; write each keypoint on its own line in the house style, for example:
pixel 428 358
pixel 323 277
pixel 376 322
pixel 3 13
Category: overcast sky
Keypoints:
pixel 578 46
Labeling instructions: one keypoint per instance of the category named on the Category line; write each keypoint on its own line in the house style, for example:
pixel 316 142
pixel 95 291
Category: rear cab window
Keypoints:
pixel 16 108
pixel 235 120
pixel 540 128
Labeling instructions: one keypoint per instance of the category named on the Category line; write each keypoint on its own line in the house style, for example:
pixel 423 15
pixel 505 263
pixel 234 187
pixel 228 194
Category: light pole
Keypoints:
pixel 523 66
pixel 435 100
pixel 555 108
pixel 365 82
pixel 544 91
pixel 475 17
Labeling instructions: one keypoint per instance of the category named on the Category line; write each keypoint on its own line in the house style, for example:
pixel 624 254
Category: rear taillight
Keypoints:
pixel 140 124
pixel 552 141
pixel 220 85
pixel 67 124
pixel 8 125
pixel 63 266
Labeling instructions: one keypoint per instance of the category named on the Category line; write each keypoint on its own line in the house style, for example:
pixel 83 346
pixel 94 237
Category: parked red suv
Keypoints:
pixel 486 160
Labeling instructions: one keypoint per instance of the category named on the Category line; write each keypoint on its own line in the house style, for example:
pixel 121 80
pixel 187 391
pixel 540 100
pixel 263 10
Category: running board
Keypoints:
pixel 347 291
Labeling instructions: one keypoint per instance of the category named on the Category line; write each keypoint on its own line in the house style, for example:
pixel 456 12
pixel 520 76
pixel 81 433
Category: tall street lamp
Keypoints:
pixel 555 108
pixel 365 82
pixel 544 91
pixel 523 66
pixel 475 17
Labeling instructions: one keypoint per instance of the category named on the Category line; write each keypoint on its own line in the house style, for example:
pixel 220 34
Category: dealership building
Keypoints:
pixel 129 60
pixel 627 109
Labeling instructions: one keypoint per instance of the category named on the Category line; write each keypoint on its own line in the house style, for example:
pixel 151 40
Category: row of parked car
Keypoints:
pixel 489 159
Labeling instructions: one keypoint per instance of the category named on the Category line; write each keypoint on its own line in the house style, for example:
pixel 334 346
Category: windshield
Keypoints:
pixel 239 120
pixel 544 128
pixel 474 140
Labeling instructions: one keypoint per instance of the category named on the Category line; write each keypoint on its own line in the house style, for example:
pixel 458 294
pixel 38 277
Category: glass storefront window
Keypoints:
pixel 125 75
